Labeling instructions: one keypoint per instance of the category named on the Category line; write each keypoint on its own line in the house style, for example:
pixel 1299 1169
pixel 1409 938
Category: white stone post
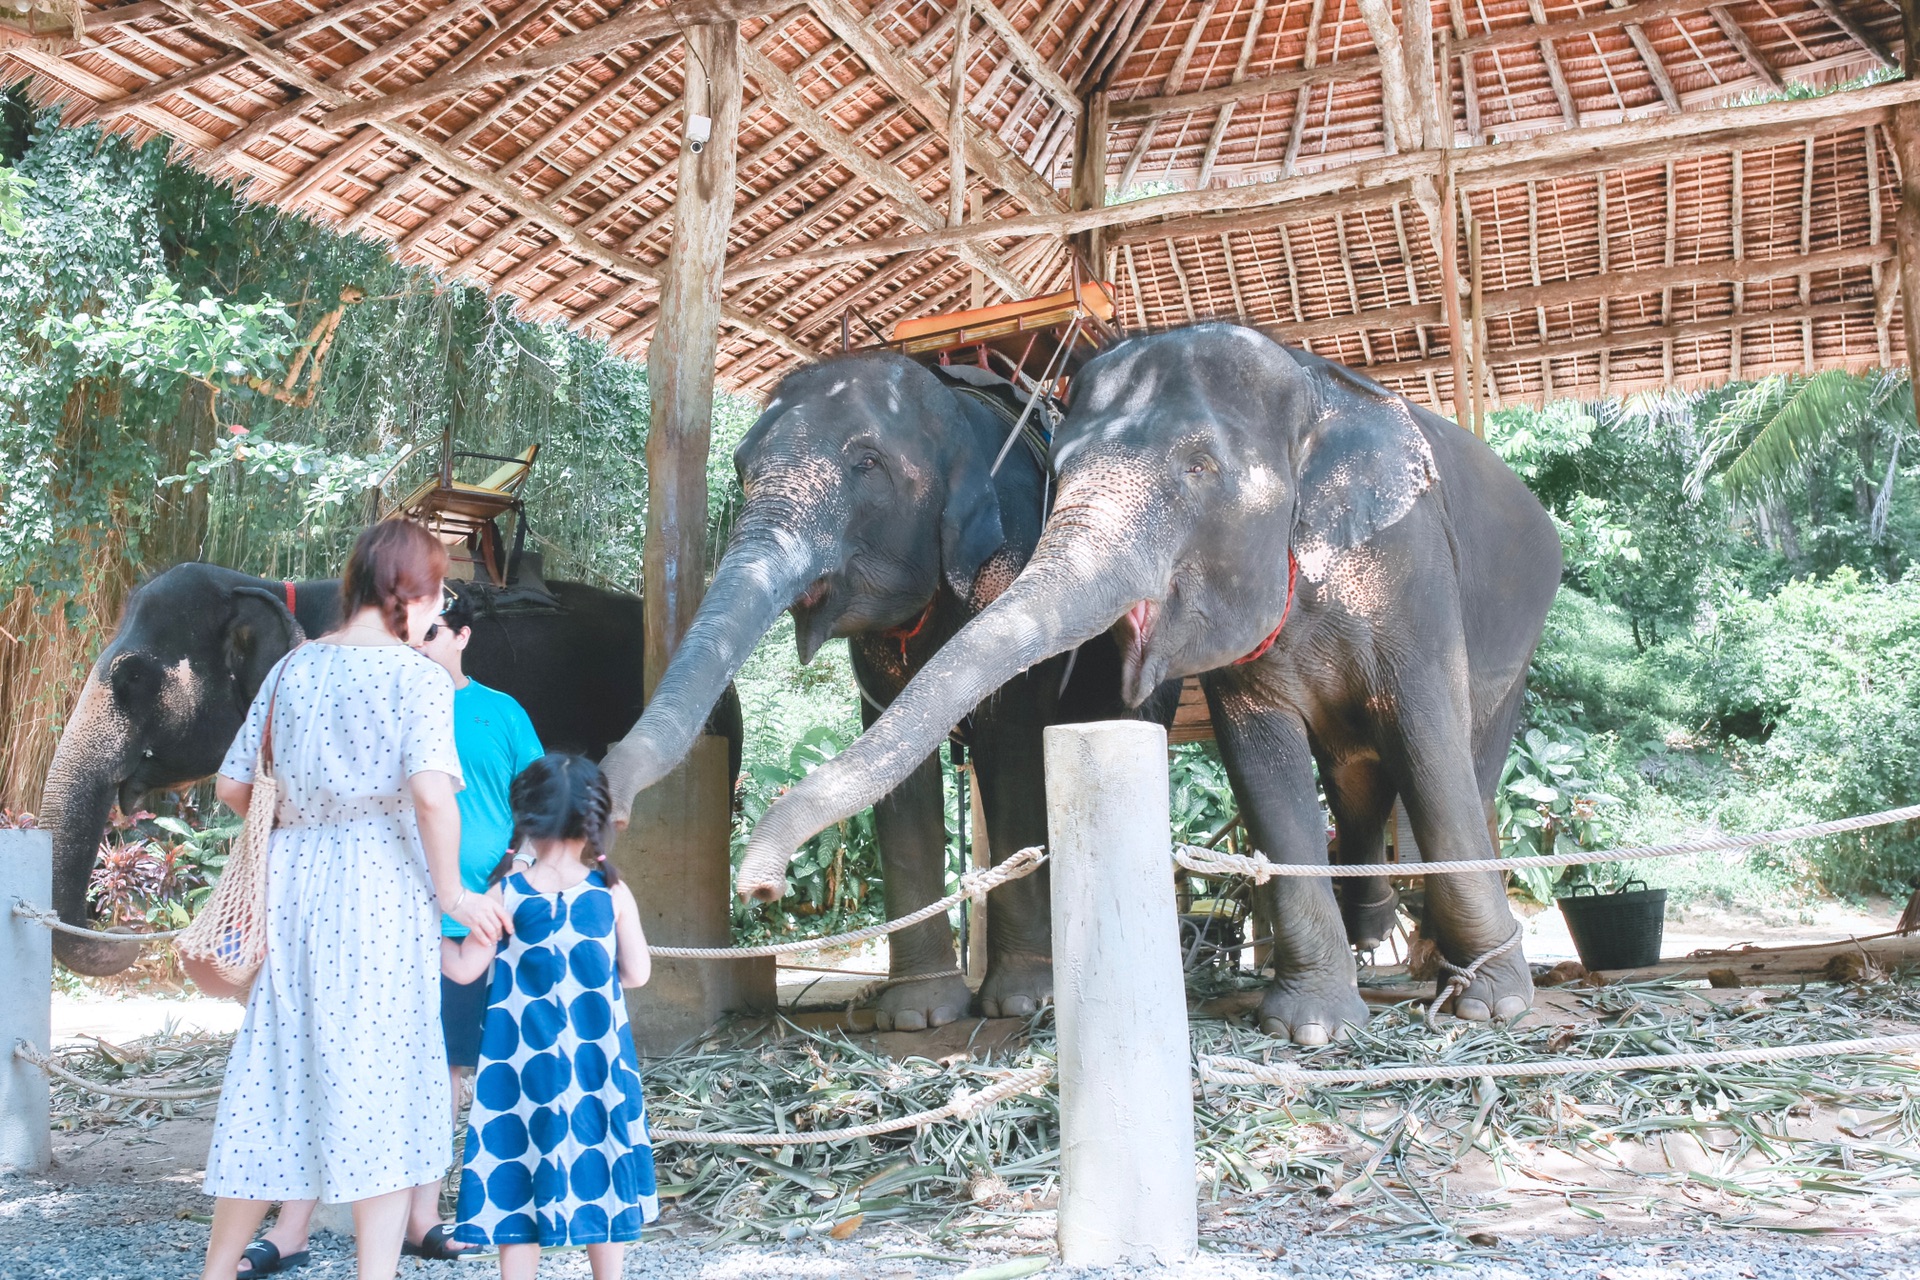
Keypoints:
pixel 26 1001
pixel 1127 1189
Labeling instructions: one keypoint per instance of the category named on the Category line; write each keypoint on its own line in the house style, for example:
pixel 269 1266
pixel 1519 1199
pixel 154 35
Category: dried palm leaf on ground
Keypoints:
pixel 165 1062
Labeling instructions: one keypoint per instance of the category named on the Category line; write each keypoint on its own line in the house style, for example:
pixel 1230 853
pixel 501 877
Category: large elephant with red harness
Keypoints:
pixel 1360 585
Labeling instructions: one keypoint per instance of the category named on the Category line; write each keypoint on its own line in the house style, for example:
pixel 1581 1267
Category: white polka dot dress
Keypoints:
pixel 337 1086
pixel 557 1146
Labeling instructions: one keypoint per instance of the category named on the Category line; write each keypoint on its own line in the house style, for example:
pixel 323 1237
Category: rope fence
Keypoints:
pixel 1225 1070
pixel 1207 862
pixel 975 885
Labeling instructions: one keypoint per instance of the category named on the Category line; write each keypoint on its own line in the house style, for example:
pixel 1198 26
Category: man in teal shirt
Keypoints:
pixel 496 741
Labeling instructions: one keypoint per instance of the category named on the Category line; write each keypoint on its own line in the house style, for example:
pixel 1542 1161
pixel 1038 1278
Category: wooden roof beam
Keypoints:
pixel 586 249
pixel 1604 288
pixel 1857 33
pixel 1029 58
pixel 1258 87
pixel 1737 37
pixel 985 154
pixel 601 38
pixel 1255 18
pixel 785 97
pixel 1627 339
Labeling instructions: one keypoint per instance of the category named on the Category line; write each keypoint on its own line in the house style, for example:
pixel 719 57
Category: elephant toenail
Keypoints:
pixel 1310 1034
pixel 1509 1007
pixel 942 1016
pixel 1018 1006
pixel 1471 1010
pixel 882 1020
pixel 909 1020
pixel 1273 1026
pixel 1343 1032
pixel 989 1008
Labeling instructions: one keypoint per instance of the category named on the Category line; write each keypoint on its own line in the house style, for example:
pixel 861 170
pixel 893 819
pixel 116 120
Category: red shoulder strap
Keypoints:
pixel 289 587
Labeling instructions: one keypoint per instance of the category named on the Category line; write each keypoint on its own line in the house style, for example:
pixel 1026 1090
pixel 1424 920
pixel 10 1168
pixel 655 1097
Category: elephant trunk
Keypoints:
pixel 1078 583
pixel 80 792
pixel 762 573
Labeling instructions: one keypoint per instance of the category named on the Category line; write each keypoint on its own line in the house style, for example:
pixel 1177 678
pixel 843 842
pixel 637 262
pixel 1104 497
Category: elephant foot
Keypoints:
pixel 1501 988
pixel 918 1005
pixel 1370 909
pixel 1016 985
pixel 1313 1008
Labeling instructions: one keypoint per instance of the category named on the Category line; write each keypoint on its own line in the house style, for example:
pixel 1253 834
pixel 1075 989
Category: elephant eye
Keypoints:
pixel 1200 464
pixel 867 462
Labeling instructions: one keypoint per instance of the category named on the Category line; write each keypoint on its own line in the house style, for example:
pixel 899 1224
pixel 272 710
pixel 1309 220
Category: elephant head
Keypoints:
pixel 868 489
pixel 1205 475
pixel 159 709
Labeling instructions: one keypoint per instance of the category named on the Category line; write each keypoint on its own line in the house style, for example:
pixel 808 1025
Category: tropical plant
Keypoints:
pixel 835 877
pixel 158 870
pixel 1200 801
pixel 1780 424
pixel 1544 806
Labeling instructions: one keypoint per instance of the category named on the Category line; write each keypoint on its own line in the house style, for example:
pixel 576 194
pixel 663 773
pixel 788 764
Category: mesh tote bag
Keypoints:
pixel 224 946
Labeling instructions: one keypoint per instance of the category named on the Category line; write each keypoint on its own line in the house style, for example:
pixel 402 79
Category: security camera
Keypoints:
pixel 699 129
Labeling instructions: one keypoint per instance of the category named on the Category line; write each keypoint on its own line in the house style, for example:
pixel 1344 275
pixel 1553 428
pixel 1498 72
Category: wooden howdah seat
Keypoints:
pixel 463 515
pixel 1036 343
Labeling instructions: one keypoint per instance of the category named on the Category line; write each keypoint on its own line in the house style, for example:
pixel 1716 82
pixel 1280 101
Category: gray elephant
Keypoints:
pixel 872 512
pixel 169 691
pixel 1361 585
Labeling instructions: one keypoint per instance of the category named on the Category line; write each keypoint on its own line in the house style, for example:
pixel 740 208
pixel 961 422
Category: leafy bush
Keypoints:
pixel 834 878
pixel 1545 806
pixel 1829 670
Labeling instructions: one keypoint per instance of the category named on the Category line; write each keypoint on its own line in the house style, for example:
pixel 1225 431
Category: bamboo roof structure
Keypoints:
pixel 1667 192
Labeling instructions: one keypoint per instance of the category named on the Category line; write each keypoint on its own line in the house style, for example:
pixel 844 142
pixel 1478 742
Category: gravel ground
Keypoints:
pixel 55 1230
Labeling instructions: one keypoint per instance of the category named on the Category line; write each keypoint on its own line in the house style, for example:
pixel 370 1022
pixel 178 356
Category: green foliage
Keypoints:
pixel 12 188
pixel 1544 805
pixel 834 877
pixel 216 342
pixel 158 870
pixel 1200 799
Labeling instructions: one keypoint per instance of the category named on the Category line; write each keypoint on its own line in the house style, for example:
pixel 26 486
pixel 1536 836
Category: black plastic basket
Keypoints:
pixel 1616 930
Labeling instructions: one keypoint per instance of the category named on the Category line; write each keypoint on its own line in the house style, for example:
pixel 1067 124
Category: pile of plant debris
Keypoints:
pixel 1383 1153
pixel 1732 1145
pixel 168 1062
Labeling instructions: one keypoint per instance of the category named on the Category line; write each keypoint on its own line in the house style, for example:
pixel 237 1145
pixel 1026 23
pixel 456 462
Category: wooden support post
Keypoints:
pixel 675 850
pixel 1906 227
pixel 26 1002
pixel 680 362
pixel 1127 1189
pixel 957 117
pixel 1089 190
pixel 1482 366
pixel 979 857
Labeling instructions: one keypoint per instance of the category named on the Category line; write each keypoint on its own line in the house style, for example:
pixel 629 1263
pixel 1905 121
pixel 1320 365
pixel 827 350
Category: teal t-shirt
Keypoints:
pixel 495 741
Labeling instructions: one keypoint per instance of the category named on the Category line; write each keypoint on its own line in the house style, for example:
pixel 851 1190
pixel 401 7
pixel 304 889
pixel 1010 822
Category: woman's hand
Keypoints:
pixel 484 917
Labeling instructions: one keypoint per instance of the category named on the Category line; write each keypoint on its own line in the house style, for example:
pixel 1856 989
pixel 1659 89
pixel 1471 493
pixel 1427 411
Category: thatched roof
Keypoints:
pixel 531 147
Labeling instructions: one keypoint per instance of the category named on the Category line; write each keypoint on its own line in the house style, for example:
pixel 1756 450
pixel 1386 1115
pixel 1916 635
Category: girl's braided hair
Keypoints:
pixel 562 796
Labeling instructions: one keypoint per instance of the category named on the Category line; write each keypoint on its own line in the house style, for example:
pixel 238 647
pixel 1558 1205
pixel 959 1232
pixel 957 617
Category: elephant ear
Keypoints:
pixel 1366 463
pixel 259 632
pixel 970 530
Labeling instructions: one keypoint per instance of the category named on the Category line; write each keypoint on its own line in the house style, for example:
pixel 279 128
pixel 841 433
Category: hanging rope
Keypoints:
pixel 1228 1070
pixel 52 920
pixel 974 885
pixel 1256 867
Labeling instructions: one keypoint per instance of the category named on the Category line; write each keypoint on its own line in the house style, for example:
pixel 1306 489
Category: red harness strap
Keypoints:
pixel 904 634
pixel 289 587
pixel 1293 572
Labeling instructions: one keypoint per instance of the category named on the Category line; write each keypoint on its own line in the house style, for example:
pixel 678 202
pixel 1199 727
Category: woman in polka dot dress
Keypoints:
pixel 557 1147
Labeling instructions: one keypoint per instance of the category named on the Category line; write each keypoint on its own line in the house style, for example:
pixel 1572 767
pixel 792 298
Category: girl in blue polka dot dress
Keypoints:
pixel 557 1146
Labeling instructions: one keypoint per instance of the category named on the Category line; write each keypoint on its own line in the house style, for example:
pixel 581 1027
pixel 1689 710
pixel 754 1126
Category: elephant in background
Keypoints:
pixel 168 693
pixel 1360 585
pixel 872 512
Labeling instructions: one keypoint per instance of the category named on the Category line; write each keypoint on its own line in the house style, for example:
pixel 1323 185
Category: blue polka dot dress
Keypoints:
pixel 557 1147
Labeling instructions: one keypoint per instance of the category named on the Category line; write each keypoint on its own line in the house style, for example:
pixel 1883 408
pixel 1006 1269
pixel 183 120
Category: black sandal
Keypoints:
pixel 437 1246
pixel 266 1259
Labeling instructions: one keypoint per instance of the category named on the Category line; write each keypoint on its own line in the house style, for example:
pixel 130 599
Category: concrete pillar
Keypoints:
pixel 26 1001
pixel 674 855
pixel 1127 1190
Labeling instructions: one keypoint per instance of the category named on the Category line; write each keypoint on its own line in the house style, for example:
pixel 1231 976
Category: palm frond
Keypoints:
pixel 1808 416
